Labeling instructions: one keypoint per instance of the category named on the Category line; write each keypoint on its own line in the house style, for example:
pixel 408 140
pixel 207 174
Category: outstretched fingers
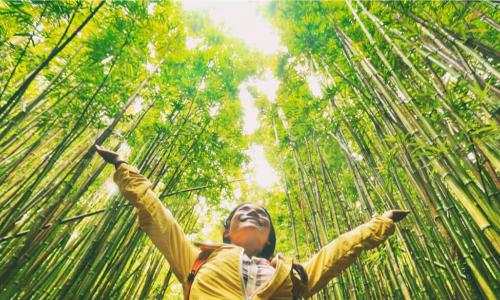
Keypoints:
pixel 108 155
pixel 396 214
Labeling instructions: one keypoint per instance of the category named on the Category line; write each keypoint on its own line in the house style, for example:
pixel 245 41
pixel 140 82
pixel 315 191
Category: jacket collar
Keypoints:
pixel 283 269
pixel 213 246
pixel 282 264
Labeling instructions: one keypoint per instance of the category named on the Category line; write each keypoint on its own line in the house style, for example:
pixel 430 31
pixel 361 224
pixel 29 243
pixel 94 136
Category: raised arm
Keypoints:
pixel 154 218
pixel 343 251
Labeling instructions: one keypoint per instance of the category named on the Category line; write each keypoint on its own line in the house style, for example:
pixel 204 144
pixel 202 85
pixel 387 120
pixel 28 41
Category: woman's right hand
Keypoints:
pixel 396 214
pixel 108 155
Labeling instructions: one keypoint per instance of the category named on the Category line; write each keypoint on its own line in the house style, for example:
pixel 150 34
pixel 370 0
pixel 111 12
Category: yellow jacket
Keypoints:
pixel 220 278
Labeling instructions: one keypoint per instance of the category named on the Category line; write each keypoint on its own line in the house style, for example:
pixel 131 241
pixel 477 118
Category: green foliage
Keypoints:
pixel 401 123
pixel 129 82
pixel 407 118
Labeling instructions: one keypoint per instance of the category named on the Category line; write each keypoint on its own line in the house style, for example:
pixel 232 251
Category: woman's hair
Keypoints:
pixel 268 250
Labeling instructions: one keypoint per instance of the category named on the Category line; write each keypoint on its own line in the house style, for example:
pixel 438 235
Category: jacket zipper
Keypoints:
pixel 241 275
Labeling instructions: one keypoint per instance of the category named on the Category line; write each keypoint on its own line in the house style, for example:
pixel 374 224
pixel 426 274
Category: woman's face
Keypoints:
pixel 250 228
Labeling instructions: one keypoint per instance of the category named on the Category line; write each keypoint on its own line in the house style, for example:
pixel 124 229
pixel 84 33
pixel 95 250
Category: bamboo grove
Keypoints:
pixel 122 75
pixel 407 117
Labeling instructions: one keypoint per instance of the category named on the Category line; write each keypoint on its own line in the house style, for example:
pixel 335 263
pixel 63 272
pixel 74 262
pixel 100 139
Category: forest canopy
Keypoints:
pixel 379 105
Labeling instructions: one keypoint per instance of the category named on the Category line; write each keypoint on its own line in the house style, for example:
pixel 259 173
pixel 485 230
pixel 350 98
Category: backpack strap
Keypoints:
pixel 206 251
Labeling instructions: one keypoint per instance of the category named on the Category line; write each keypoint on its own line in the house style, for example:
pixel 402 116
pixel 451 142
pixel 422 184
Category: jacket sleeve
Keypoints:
pixel 157 221
pixel 343 251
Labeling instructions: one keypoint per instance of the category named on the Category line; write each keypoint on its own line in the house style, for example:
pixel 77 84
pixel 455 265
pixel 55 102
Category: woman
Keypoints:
pixel 245 266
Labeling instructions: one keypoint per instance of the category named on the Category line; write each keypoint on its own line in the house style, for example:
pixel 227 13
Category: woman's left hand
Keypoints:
pixel 109 156
pixel 396 214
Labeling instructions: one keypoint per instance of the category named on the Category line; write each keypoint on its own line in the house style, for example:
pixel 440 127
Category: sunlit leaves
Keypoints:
pixel 405 113
pixel 128 81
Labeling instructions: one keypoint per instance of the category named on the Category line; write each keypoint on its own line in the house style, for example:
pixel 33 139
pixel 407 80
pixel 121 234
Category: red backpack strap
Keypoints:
pixel 198 263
